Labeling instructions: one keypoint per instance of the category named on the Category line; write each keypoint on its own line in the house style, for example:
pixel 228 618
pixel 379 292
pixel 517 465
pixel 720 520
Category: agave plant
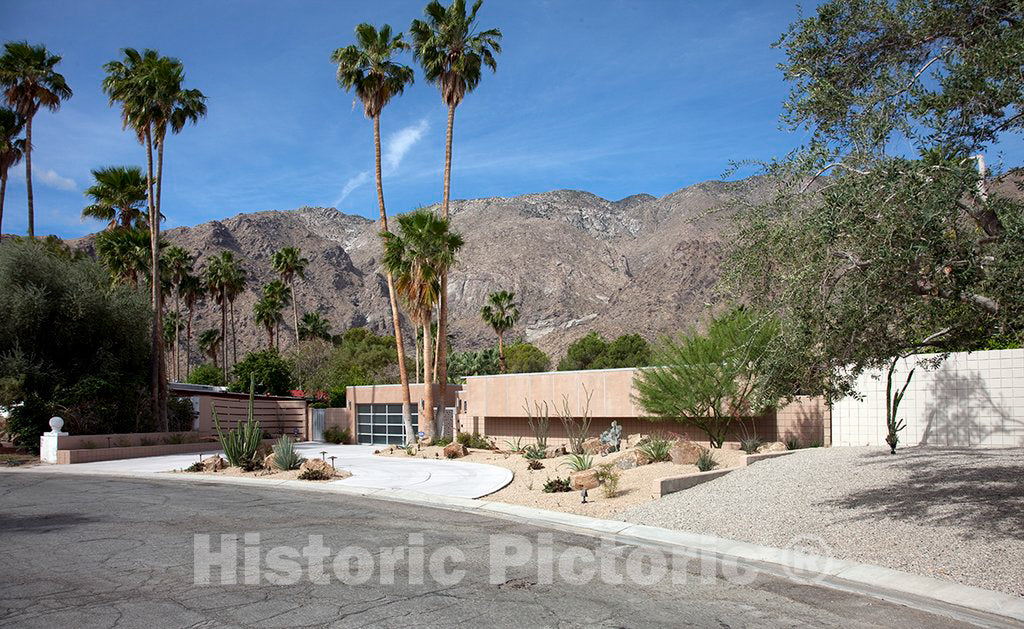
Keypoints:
pixel 241 445
pixel 579 462
pixel 534 453
pixel 656 449
pixel 285 456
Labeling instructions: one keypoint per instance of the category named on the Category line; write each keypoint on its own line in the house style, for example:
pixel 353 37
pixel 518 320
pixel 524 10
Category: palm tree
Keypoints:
pixel 278 292
pixel 267 312
pixel 172 329
pixel 217 277
pixel 288 262
pixel 12 149
pixel 152 99
pixel 314 326
pixel 117 196
pixel 500 312
pixel 368 69
pixel 452 53
pixel 125 253
pixel 179 264
pixel 191 290
pixel 417 258
pixel 210 342
pixel 30 82
pixel 237 281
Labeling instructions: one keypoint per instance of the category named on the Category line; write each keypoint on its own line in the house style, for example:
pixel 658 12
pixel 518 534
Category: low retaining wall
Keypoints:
pixel 671 484
pixel 91 455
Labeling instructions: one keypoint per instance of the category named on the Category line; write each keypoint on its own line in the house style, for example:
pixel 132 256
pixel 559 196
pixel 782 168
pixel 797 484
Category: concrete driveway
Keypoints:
pixel 440 477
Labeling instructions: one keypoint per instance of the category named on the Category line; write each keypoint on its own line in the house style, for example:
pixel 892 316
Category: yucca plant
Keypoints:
pixel 706 461
pixel 579 462
pixel 656 449
pixel 285 456
pixel 515 445
pixel 241 445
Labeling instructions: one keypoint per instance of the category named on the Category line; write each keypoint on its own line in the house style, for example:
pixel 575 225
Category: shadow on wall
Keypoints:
pixel 961 411
pixel 977 491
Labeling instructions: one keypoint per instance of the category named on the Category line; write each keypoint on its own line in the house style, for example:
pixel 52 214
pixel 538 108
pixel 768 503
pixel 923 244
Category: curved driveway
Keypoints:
pixel 440 477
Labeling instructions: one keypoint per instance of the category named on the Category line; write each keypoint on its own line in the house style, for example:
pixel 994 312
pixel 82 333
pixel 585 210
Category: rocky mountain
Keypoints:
pixel 576 262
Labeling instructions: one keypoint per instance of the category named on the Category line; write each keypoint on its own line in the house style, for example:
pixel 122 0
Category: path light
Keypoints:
pixel 323 455
pixel 332 460
pixel 584 492
pixel 201 455
pixel 108 442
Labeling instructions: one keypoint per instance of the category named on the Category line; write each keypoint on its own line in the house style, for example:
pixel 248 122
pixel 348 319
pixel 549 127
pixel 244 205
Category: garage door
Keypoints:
pixel 382 423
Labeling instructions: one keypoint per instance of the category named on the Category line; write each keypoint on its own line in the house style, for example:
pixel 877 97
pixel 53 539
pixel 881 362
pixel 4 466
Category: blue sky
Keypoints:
pixel 613 97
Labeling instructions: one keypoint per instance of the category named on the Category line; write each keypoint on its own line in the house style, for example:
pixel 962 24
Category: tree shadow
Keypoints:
pixel 961 411
pixel 42 523
pixel 977 491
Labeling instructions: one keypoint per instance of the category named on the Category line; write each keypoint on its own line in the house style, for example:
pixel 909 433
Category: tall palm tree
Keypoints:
pixel 289 263
pixel 417 257
pixel 191 290
pixel 501 313
pixel 210 343
pixel 30 82
pixel 314 326
pixel 173 326
pixel 277 292
pixel 217 277
pixel 267 312
pixel 368 68
pixel 179 264
pixel 12 149
pixel 452 52
pixel 237 281
pixel 117 196
pixel 125 253
pixel 149 88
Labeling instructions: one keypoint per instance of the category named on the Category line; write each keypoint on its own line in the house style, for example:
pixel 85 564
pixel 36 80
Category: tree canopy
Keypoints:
pixel 594 352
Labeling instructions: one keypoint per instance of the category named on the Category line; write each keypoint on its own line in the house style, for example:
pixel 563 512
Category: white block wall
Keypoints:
pixel 973 399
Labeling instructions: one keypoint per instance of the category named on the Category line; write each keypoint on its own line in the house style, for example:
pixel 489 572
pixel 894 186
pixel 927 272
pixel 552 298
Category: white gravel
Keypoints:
pixel 954 514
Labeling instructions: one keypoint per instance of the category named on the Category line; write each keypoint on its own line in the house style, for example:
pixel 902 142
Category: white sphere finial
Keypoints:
pixel 56 423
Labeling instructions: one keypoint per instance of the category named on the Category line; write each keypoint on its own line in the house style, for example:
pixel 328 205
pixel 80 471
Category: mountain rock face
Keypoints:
pixel 576 262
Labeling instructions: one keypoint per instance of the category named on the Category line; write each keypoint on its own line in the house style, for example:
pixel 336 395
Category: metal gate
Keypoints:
pixel 319 424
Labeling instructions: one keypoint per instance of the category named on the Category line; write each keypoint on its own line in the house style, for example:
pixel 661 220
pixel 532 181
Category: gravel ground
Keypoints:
pixel 954 514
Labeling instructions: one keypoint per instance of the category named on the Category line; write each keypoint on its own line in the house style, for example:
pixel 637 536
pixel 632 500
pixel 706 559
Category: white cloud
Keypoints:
pixel 400 142
pixel 47 177
pixel 396 147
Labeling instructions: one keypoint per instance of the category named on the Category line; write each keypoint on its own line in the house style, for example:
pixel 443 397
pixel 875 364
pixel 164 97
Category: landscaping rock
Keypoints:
pixel 641 458
pixel 552 452
pixel 214 464
pixel 773 446
pixel 626 462
pixel 455 450
pixel 685 452
pixel 587 479
pixel 634 439
pixel 593 446
pixel 268 462
pixel 317 464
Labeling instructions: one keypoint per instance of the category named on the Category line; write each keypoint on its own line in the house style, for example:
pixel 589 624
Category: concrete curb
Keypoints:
pixel 977 606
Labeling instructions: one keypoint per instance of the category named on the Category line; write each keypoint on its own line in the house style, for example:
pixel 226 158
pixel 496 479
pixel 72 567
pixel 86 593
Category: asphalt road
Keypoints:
pixel 104 552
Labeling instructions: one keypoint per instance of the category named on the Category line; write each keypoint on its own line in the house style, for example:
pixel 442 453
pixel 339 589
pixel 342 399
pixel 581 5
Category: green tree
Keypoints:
pixel 867 255
pixel 173 325
pixel 191 290
pixel 267 312
pixel 369 69
pixel 278 295
pixel 30 80
pixel 628 350
pixel 453 52
pixel 271 373
pixel 418 257
pixel 207 374
pixel 526 358
pixel 482 362
pixel 220 275
pixel 710 380
pixel 314 326
pixel 289 263
pixel 117 197
pixel 210 344
pixel 237 280
pixel 584 352
pixel 501 313
pixel 12 149
pixel 125 253
pixel 179 265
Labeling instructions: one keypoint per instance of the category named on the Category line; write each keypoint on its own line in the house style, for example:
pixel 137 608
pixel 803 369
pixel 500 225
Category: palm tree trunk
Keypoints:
pixel 28 178
pixel 403 371
pixel 295 310
pixel 162 391
pixel 234 334
pixel 159 413
pixel 224 336
pixel 3 193
pixel 427 414
pixel 442 311
pixel 177 327
pixel 417 356
pixel 501 351
pixel 188 344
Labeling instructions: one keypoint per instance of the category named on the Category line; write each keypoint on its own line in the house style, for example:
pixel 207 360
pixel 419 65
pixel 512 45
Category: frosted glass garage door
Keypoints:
pixel 382 424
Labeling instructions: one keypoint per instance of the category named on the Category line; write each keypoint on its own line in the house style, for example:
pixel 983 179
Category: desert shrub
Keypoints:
pixel 241 445
pixel 174 439
pixel 206 374
pixel 180 414
pixel 579 462
pixel 264 372
pixel 337 435
pixel 534 453
pixel 577 429
pixel 285 456
pixel 609 479
pixel 410 450
pixel 556 485
pixel 656 448
pixel 526 358
pixel 539 419
pixel 474 440
pixel 750 444
pixel 792 443
pixel 706 461
pixel 814 444
pixel 442 441
pixel 195 467
pixel 535 464
pixel 314 473
pixel 594 352
pixel 514 445
pixel 146 441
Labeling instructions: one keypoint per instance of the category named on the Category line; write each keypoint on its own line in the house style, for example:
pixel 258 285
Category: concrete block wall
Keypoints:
pixel 972 399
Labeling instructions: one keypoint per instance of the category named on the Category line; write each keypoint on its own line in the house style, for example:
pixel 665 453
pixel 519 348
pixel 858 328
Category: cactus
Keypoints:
pixel 612 436
pixel 241 445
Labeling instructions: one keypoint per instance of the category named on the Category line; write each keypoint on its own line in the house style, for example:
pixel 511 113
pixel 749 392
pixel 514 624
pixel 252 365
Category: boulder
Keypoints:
pixel 317 464
pixel 641 458
pixel 552 452
pixel 587 479
pixel 626 462
pixel 634 440
pixel 268 462
pixel 593 446
pixel 455 450
pixel 214 464
pixel 685 452
pixel 772 446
